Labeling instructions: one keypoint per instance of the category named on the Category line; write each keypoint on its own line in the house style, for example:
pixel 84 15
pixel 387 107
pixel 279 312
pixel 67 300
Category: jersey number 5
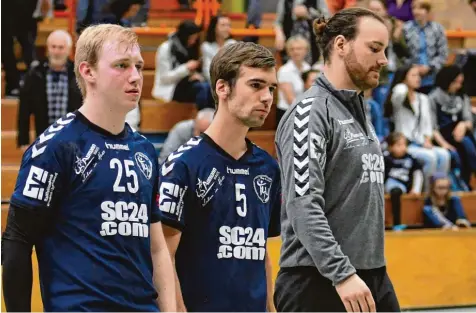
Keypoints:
pixel 129 166
pixel 241 210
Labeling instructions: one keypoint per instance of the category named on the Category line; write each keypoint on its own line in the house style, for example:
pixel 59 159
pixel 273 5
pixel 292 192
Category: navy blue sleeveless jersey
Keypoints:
pixel 100 191
pixel 226 209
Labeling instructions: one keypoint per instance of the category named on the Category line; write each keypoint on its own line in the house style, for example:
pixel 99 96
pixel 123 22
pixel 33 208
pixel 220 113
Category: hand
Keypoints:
pixel 24 147
pixel 423 69
pixel 459 132
pixel 193 65
pixel 301 11
pixel 427 144
pixel 414 193
pixel 355 295
pixel 279 41
pixel 196 76
pixel 447 146
pixel 462 222
pixel 397 31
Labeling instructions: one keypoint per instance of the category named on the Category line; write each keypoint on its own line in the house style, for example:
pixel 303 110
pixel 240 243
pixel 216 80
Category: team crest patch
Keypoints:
pixel 145 165
pixel 262 185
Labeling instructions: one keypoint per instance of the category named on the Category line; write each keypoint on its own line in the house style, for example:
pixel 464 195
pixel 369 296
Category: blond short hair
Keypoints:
pixel 296 38
pixel 91 42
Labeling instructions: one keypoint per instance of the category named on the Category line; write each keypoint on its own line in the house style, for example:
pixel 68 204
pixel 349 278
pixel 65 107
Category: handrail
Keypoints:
pixel 269 32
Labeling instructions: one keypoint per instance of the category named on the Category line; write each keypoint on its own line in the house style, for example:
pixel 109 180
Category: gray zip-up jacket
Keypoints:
pixel 332 171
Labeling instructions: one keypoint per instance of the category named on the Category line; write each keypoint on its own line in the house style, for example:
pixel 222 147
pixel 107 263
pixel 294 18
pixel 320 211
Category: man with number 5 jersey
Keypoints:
pixel 220 194
pixel 86 194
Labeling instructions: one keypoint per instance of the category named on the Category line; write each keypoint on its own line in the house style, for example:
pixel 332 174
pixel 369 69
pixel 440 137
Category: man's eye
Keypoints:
pixel 121 65
pixel 256 85
pixel 374 50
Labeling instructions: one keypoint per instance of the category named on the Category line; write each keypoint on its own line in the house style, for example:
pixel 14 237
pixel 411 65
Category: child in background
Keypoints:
pixel 403 174
pixel 442 209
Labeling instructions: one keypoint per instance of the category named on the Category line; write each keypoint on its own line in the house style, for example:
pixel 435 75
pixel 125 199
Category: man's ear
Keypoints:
pixel 87 72
pixel 340 45
pixel 222 89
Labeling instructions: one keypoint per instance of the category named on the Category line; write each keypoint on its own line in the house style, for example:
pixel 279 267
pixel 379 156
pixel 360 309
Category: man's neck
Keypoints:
pixel 339 78
pixel 229 133
pixel 58 68
pixel 421 23
pixel 102 115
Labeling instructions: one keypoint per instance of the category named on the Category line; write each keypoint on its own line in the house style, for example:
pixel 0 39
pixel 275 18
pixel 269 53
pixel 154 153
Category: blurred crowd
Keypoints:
pixel 421 110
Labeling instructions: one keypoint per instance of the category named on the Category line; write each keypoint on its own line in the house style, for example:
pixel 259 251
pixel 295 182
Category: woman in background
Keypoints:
pixel 453 118
pixel 410 113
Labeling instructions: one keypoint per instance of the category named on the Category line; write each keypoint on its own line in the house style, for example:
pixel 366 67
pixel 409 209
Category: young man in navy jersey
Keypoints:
pixel 220 195
pixel 85 197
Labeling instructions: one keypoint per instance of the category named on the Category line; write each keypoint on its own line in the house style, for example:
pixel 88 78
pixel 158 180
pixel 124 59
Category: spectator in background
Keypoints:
pixel 410 111
pixel 427 44
pixel 395 52
pixel 400 9
pixel 403 174
pixel 177 70
pixel 289 75
pixel 337 5
pixel 374 110
pixel 184 130
pixel 472 3
pixel 218 35
pixel 454 122
pixel 442 209
pixel 50 89
pixel 309 77
pixel 89 12
pixel 294 17
pixel 17 23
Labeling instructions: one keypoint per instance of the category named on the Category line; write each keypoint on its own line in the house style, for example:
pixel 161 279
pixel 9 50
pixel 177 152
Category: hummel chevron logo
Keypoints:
pixel 300 123
pixel 168 165
pixel 301 178
pixel 300 151
pixel 303 110
pixel 40 145
pixel 301 164
pixel 300 136
pixel 302 190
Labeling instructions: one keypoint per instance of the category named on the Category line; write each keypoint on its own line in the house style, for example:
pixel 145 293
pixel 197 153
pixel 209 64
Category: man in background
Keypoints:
pixel 184 130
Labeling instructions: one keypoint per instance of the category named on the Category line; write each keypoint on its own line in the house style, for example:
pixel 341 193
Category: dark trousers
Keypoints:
pixel 26 37
pixel 194 92
pixel 466 151
pixel 303 289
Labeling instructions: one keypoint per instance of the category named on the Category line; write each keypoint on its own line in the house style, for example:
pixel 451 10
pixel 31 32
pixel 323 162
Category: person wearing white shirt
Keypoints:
pixel 218 35
pixel 411 114
pixel 289 75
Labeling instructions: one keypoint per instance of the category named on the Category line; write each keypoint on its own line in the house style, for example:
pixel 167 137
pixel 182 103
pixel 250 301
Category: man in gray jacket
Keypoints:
pixel 184 130
pixel 332 257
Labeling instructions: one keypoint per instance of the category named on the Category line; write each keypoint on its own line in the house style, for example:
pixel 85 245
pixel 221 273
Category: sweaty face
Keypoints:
pixel 58 51
pixel 252 95
pixel 119 75
pixel 366 54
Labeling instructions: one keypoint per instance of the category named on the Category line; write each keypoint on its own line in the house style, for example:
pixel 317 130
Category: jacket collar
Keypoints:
pixel 345 96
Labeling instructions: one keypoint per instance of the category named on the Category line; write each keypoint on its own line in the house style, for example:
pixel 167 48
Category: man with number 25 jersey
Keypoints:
pixel 86 197
pixel 220 194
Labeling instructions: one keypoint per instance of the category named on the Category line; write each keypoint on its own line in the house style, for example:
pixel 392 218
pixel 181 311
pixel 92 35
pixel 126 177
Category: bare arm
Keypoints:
pixel 288 92
pixel 163 276
pixel 172 238
pixel 269 284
